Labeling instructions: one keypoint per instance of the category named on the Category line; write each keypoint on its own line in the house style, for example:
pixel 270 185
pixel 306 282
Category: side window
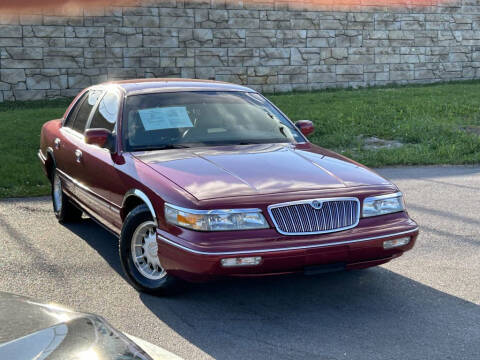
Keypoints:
pixel 73 113
pixel 85 109
pixel 105 116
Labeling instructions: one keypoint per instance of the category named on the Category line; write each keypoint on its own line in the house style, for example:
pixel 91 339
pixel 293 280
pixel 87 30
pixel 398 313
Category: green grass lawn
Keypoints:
pixel 20 124
pixel 427 119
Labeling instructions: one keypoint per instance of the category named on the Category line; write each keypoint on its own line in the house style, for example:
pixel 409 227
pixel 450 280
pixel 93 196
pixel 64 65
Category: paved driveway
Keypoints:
pixel 424 305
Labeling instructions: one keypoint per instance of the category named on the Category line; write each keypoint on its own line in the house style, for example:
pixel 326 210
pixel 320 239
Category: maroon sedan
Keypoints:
pixel 205 179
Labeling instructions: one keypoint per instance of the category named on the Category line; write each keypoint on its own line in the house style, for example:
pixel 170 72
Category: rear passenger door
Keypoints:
pixel 70 138
pixel 102 188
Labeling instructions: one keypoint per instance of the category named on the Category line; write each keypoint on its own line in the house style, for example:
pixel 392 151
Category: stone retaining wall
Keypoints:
pixel 273 46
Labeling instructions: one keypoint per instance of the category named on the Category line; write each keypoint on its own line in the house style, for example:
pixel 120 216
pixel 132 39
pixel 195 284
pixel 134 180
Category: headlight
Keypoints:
pixel 215 220
pixel 385 204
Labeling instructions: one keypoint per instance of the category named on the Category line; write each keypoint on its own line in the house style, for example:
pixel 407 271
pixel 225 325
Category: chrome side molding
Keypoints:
pixel 142 196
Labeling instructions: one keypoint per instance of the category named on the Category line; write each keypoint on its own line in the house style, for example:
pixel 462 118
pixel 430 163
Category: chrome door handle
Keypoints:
pixel 57 143
pixel 78 156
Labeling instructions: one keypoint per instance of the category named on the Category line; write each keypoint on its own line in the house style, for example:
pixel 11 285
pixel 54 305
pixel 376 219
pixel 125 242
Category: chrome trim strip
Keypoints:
pixel 42 157
pixel 97 218
pixel 140 194
pixel 287 118
pixel 282 249
pixel 214 212
pixel 168 89
pixel 270 207
pixel 66 176
pixel 111 205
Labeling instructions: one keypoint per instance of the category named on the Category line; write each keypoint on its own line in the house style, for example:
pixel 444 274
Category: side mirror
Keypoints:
pixel 100 137
pixel 305 126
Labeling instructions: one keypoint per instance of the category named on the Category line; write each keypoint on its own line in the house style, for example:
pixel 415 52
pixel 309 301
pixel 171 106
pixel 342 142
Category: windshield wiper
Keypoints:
pixel 163 147
pixel 250 143
pixel 260 142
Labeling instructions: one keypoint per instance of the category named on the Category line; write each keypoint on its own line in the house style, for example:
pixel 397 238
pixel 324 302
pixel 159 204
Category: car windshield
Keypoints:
pixel 203 118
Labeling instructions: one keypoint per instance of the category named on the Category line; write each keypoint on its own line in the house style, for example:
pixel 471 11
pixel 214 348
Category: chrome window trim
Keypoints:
pixel 305 139
pixel 274 206
pixel 102 89
pixel 246 253
pixel 168 89
pixel 106 90
pixel 214 212
pixel 94 109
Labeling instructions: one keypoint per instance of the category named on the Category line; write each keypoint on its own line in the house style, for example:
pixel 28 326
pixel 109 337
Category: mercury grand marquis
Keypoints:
pixel 203 179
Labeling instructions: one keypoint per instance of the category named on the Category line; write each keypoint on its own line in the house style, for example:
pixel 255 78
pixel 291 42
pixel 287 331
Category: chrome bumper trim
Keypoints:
pixel 41 156
pixel 283 249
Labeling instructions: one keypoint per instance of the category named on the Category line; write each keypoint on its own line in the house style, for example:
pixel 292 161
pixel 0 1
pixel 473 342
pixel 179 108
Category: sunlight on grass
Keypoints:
pixel 427 119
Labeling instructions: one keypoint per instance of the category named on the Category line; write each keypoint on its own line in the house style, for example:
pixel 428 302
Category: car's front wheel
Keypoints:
pixel 64 210
pixel 139 254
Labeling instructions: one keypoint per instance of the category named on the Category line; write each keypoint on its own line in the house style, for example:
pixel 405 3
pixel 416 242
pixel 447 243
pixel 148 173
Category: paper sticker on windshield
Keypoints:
pixel 165 118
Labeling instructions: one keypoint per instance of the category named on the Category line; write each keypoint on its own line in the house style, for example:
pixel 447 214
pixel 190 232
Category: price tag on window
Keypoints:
pixel 165 118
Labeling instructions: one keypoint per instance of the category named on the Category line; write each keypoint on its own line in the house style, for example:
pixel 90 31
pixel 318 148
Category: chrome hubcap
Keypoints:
pixel 145 251
pixel 57 193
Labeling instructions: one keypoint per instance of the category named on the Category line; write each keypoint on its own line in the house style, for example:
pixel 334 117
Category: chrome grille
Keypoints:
pixel 302 218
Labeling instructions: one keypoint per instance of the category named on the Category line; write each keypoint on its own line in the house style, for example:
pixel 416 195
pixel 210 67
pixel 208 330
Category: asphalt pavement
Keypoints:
pixel 424 305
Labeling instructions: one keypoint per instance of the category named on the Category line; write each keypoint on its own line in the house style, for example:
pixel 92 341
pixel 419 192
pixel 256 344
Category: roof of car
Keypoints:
pixel 144 86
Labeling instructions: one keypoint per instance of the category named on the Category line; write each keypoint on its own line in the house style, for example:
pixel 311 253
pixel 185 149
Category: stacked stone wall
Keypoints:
pixel 272 46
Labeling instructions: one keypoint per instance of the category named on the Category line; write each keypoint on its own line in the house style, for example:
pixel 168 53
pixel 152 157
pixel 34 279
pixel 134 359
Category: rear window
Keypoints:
pixel 81 118
pixel 73 113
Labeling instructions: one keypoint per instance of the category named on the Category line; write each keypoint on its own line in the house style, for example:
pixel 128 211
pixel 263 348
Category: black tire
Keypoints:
pixel 167 285
pixel 63 208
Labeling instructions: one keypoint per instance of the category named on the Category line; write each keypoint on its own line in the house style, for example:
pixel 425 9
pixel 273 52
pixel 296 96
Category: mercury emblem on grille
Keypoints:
pixel 316 204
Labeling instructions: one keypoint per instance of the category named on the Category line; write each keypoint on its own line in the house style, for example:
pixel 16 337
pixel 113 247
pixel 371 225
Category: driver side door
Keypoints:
pixel 101 186
pixel 69 140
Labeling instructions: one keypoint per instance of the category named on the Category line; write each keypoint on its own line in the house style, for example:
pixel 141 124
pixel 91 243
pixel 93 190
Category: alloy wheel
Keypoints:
pixel 144 251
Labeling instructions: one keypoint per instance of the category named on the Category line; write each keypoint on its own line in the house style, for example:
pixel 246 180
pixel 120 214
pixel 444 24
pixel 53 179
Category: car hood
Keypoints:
pixel 243 170
pixel 34 330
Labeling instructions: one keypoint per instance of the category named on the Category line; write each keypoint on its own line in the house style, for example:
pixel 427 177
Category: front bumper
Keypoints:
pixel 356 248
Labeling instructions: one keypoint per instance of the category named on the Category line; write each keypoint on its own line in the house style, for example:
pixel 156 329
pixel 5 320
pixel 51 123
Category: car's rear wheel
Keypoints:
pixel 63 208
pixel 139 254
